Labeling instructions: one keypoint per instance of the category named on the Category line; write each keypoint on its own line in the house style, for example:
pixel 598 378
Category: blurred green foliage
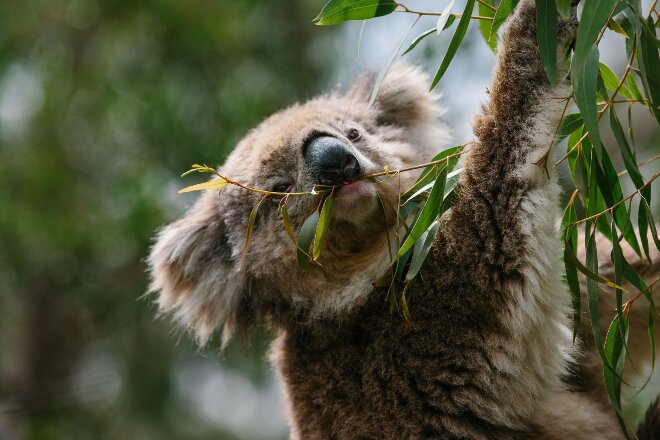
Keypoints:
pixel 102 105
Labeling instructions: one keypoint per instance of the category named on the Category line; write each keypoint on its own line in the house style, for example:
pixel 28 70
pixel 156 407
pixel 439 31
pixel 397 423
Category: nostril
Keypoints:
pixel 351 168
pixel 330 162
pixel 330 177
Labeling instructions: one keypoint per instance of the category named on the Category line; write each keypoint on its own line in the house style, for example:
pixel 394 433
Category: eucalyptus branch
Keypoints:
pixel 602 31
pixel 388 172
pixel 640 164
pixel 628 304
pixel 621 101
pixel 577 145
pixel 629 196
pixel 626 72
pixel 489 6
pixel 406 9
pixel 224 180
pixel 601 112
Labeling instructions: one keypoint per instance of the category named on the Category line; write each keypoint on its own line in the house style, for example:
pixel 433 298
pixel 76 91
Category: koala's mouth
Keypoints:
pixel 352 192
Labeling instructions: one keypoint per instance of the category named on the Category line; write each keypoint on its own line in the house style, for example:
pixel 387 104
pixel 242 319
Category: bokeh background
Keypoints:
pixel 102 105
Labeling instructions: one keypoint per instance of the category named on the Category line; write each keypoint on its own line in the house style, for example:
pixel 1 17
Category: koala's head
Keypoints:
pixel 196 264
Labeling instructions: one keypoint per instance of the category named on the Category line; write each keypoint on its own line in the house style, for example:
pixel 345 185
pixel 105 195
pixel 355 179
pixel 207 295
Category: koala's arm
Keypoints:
pixel 508 197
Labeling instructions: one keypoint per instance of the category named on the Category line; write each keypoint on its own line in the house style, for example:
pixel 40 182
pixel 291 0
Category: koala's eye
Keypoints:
pixel 353 135
pixel 282 187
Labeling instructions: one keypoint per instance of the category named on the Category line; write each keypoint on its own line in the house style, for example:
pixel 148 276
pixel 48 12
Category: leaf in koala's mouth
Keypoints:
pixel 305 238
pixel 352 191
pixel 322 227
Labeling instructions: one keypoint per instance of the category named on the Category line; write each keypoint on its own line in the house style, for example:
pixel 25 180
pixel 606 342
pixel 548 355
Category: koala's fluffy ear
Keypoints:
pixel 403 98
pixel 192 272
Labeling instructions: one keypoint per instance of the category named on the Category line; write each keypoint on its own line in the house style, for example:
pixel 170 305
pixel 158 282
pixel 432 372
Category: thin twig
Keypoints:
pixel 628 304
pixel 619 101
pixel 629 196
pixel 406 9
pixel 602 31
pixel 491 7
pixel 424 165
pixel 270 193
pixel 577 145
pixel 602 111
pixel 623 77
pixel 641 164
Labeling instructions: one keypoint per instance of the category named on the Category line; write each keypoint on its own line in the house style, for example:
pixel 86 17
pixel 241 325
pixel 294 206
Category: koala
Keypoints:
pixel 488 348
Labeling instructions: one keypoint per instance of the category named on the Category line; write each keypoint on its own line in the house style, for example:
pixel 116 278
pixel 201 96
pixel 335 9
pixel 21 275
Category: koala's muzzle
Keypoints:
pixel 330 162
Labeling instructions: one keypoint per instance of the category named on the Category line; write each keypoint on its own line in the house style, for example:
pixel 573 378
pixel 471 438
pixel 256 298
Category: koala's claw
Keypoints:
pixel 567 29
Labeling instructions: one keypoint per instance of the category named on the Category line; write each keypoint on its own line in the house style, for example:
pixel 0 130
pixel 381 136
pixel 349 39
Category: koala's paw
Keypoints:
pixel 523 23
pixel 567 29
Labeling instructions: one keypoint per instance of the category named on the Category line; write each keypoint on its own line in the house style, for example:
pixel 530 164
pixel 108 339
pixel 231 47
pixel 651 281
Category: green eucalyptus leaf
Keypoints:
pixel 388 63
pixel 503 10
pixel 616 27
pixel 397 278
pixel 601 90
pixel 570 124
pixel 616 345
pixel 584 78
pixel 428 214
pixel 305 238
pixel 644 206
pixel 287 225
pixel 590 273
pixel 421 250
pixel 581 176
pixel 546 36
pixel 455 42
pixel 616 355
pixel 576 163
pixel 633 89
pixel 618 261
pixel 649 65
pixel 564 8
pixel 610 188
pixel 594 17
pixel 570 233
pixel 248 235
pixel 446 18
pixel 592 300
pixel 322 227
pixel 627 153
pixel 651 331
pixel 485 25
pixel 452 181
pixel 428 174
pixel 337 11
pixel 611 81
pixel 596 202
pixel 417 40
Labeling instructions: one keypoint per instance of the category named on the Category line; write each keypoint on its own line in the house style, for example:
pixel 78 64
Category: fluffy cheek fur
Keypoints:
pixel 189 265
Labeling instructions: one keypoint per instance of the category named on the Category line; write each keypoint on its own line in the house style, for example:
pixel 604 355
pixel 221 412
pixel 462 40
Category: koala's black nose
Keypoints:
pixel 331 162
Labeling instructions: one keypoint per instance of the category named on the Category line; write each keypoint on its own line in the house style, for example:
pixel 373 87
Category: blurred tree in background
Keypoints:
pixel 102 105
